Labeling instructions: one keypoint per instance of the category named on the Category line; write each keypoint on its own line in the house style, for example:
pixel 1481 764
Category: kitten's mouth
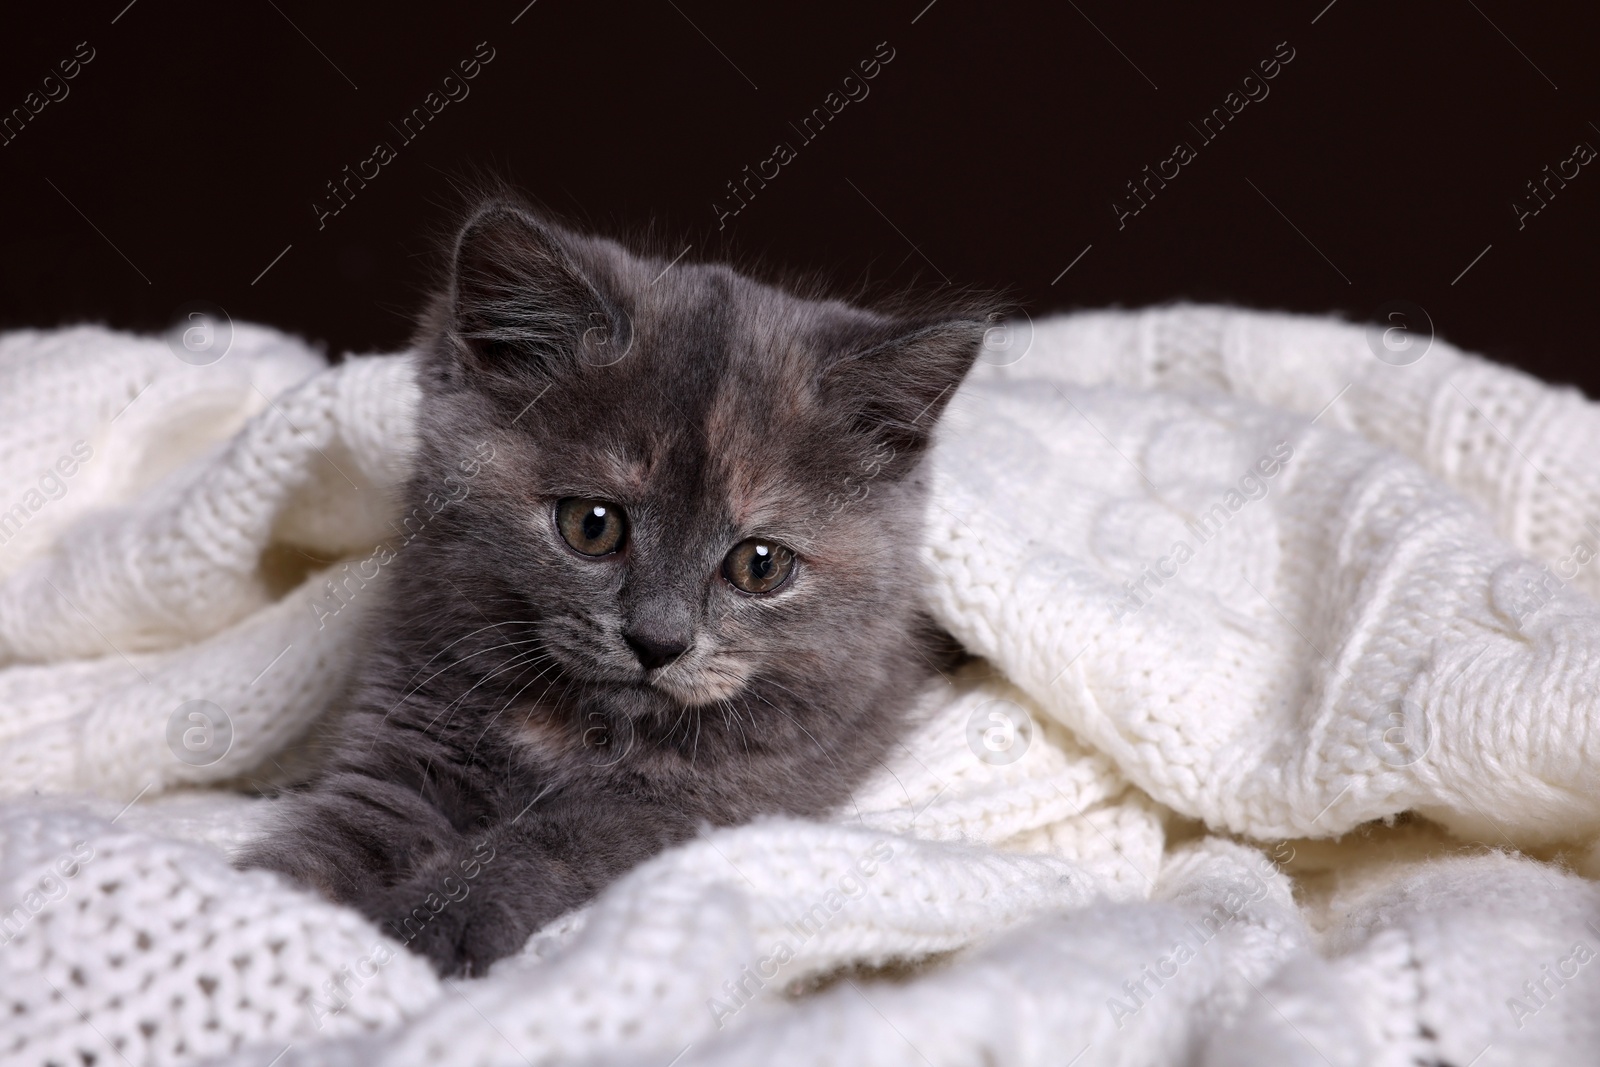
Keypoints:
pixel 696 679
pixel 697 684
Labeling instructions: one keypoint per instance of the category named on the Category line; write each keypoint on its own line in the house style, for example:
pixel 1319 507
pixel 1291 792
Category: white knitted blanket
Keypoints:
pixel 1246 595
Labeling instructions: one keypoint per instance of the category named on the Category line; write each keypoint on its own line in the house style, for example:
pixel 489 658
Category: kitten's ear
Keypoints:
pixel 894 389
pixel 518 300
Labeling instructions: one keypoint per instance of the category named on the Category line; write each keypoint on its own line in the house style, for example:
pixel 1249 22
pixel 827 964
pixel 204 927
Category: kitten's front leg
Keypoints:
pixel 389 853
pixel 456 916
pixel 484 901
pixel 353 834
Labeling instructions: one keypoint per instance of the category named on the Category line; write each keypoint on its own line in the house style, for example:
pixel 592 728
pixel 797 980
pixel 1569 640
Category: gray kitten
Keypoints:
pixel 682 589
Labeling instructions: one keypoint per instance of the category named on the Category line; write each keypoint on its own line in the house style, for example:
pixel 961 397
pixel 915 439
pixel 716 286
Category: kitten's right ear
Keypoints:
pixel 518 300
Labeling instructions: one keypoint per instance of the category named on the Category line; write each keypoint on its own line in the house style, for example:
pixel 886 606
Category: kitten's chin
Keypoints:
pixel 708 684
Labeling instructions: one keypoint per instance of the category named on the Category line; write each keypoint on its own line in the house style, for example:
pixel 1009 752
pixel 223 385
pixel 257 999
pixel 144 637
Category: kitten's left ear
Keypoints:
pixel 893 390
pixel 519 300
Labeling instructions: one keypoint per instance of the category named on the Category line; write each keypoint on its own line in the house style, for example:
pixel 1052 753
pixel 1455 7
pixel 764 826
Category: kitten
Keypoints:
pixel 681 587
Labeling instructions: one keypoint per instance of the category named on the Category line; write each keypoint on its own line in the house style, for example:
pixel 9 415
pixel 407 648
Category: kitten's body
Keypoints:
pixel 515 742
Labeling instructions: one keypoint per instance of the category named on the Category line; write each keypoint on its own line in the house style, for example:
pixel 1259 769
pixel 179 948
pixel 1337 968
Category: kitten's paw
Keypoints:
pixel 460 937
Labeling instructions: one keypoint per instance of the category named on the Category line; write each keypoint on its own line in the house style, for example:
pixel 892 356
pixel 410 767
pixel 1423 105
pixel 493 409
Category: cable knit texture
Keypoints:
pixel 1245 595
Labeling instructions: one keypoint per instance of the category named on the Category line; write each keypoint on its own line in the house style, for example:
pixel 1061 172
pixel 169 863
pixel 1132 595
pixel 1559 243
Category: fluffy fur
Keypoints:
pixel 509 752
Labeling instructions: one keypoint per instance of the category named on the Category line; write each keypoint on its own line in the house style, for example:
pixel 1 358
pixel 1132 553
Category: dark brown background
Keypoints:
pixel 996 140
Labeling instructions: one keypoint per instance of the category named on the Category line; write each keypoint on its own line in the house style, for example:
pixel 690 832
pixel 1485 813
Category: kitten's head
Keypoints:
pixel 701 485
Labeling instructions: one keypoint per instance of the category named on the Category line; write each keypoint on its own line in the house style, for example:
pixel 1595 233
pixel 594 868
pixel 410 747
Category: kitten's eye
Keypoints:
pixel 758 566
pixel 593 527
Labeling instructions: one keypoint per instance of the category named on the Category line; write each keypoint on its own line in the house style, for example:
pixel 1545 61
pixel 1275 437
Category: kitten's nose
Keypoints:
pixel 655 648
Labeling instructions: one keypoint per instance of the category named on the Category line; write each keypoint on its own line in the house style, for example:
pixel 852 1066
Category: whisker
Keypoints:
pixel 464 659
pixel 695 752
pixel 495 717
pixel 527 660
pixel 521 657
pixel 479 630
pixel 412 692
